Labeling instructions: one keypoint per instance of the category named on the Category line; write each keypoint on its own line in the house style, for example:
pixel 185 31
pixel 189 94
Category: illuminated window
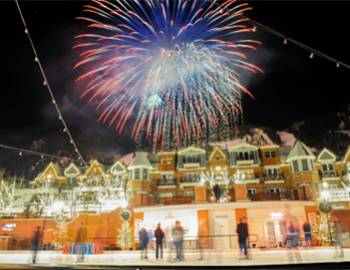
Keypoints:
pixel 295 166
pixel 137 173
pixel 304 165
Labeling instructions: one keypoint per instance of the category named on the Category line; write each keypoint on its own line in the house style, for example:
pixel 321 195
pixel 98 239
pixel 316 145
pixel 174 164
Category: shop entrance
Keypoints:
pixel 221 238
pixel 275 232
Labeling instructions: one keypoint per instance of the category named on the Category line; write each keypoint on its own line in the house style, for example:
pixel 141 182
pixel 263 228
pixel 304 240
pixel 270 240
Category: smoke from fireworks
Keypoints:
pixel 174 63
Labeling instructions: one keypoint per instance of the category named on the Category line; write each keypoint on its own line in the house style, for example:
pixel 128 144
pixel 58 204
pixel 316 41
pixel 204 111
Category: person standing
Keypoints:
pixel 217 192
pixel 143 236
pixel 178 238
pixel 79 240
pixel 36 242
pixel 242 231
pixel 159 235
pixel 307 234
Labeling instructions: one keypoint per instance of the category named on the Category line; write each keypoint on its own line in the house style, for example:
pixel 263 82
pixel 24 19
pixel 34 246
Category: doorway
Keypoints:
pixel 221 238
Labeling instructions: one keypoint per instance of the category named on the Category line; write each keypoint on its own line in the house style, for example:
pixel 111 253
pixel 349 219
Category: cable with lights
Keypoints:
pixel 48 87
pixel 286 40
pixel 22 151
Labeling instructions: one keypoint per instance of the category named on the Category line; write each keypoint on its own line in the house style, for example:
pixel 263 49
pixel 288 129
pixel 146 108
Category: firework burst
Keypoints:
pixel 172 67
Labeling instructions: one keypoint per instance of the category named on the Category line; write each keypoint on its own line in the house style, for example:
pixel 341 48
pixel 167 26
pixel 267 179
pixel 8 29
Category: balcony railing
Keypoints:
pixel 329 174
pixel 188 180
pixel 166 182
pixel 273 177
pixel 265 196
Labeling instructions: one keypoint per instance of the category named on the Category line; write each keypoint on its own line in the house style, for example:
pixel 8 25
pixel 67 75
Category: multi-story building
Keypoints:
pixel 209 190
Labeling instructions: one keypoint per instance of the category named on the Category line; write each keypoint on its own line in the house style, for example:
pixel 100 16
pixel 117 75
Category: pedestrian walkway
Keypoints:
pixel 209 258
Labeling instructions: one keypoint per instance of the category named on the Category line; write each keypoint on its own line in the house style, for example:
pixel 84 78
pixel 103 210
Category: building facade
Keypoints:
pixel 208 190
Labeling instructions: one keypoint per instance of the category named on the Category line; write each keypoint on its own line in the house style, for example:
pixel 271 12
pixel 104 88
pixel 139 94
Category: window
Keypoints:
pixel 137 174
pixel 295 166
pixel 304 165
pixel 217 157
pixel 270 154
pixel 145 174
pixel 251 191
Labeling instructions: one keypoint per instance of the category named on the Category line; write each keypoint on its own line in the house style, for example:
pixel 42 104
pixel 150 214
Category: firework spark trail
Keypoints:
pixel 176 63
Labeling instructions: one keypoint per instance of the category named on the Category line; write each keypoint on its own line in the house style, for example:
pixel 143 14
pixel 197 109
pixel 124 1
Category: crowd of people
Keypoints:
pixel 173 239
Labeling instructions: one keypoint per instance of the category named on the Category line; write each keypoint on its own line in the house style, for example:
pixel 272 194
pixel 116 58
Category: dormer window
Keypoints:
pixel 328 167
pixel 295 166
pixel 270 154
pixel 305 165
pixel 137 174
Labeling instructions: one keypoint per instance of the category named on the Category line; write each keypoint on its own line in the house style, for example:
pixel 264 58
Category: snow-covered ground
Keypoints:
pixel 210 258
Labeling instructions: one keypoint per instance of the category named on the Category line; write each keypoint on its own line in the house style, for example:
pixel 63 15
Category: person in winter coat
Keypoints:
pixel 178 239
pixel 144 239
pixel 159 236
pixel 242 232
pixel 36 242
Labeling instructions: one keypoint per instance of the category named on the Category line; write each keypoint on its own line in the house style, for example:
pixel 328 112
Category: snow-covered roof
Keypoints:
pixel 140 160
pixel 192 150
pixel 326 155
pixel 299 150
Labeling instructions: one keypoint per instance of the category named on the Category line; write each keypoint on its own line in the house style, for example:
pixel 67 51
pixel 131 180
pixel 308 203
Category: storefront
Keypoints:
pixel 215 224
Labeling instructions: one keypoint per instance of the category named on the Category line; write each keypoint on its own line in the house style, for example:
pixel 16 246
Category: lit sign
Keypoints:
pixel 9 227
pixel 339 195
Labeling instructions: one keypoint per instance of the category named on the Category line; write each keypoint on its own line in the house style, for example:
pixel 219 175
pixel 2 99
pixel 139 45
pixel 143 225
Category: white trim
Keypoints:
pixel 274 181
pixel 229 205
pixel 166 186
pixel 191 150
pixel 325 150
pixel 184 185
pixel 243 146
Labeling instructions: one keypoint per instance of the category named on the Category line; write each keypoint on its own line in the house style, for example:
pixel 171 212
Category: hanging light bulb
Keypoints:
pixel 311 55
pixel 337 65
pixel 36 59
pixel 45 83
pixel 26 31
pixel 254 29
pixel 285 41
pixel 20 154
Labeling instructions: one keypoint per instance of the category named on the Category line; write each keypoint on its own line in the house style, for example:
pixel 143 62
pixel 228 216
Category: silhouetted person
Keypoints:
pixel 143 236
pixel 159 235
pixel 36 241
pixel 242 231
pixel 79 240
pixel 307 233
pixel 217 192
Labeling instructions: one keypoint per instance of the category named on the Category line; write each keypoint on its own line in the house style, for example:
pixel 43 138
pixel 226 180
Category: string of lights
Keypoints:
pixel 286 40
pixel 48 87
pixel 21 151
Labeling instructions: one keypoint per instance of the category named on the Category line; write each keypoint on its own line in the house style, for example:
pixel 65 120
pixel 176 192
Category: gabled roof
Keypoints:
pixel 347 155
pixel 140 160
pixel 191 150
pixel 299 150
pixel 72 170
pixel 117 168
pixel 52 169
pixel 242 147
pixel 94 165
pixel 217 151
pixel 326 155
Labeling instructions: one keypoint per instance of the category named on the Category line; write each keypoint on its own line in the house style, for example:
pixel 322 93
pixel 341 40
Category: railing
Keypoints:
pixel 264 196
pixel 272 177
pixel 189 180
pixel 175 200
pixel 329 174
pixel 166 182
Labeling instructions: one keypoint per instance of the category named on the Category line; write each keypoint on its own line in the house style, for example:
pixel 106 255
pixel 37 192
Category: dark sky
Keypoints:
pixel 292 88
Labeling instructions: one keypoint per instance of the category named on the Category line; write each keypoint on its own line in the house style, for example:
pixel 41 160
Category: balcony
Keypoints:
pixel 250 178
pixel 187 181
pixel 264 196
pixel 330 175
pixel 274 178
pixel 176 200
pixel 245 162
pixel 167 183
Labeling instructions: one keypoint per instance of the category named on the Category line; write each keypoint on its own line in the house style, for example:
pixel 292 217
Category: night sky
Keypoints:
pixel 293 87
